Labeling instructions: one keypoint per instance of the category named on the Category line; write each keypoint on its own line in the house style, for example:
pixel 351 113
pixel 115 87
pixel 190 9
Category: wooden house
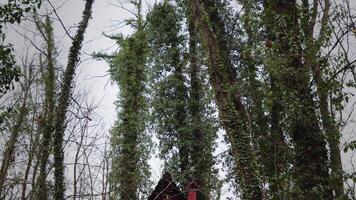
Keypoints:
pixel 166 189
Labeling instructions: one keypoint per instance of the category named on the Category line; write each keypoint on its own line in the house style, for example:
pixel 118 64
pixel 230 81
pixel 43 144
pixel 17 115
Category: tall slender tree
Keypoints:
pixel 264 99
pixel 129 177
pixel 170 98
pixel 203 124
pixel 64 101
pixel 182 111
pixel 10 146
pixel 46 122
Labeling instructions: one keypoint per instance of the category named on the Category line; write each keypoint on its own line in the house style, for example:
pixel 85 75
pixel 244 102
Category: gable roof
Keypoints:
pixel 166 189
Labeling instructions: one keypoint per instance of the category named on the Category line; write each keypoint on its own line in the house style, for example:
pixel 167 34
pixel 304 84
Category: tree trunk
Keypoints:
pixel 331 131
pixel 310 168
pixel 314 61
pixel 268 134
pixel 181 115
pixel 129 139
pixel 31 154
pixel 279 148
pixel 199 155
pixel 8 156
pixel 332 137
pixel 46 121
pixel 64 100
pixel 231 111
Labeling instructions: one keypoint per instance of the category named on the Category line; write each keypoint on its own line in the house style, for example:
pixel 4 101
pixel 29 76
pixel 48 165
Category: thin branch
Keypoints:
pixel 60 20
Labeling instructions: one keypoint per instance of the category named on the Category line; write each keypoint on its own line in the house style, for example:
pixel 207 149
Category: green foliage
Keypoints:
pixel 130 141
pixel 280 81
pixel 182 115
pixel 4 116
pixel 350 146
pixel 49 77
pixel 64 101
pixel 277 59
pixel 8 72
pixel 11 12
pixel 169 98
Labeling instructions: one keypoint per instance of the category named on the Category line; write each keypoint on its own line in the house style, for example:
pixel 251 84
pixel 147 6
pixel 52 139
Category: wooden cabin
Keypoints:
pixel 166 189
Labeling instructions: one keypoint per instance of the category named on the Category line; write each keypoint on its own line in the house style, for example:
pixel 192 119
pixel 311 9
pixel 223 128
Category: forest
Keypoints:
pixel 240 99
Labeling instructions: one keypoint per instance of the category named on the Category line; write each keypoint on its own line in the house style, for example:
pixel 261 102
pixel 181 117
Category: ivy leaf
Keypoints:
pixel 350 146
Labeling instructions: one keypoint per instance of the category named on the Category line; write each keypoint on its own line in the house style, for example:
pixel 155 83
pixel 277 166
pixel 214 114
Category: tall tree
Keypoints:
pixel 64 101
pixel 203 125
pixel 181 101
pixel 232 112
pixel 46 122
pixel 130 142
pixel 264 100
pixel 170 97
pixel 183 116
pixel 317 62
pixel 311 164
pixel 11 12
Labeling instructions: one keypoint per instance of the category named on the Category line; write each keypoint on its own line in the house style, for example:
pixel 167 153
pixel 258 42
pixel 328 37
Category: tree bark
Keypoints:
pixel 231 111
pixel 8 156
pixel 279 148
pixel 46 121
pixel 31 155
pixel 64 100
pixel 200 145
pixel 314 61
pixel 332 137
pixel 311 160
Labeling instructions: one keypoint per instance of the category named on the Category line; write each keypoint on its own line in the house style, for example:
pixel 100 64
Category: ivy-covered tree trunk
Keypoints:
pixel 197 153
pixel 275 153
pixel 129 176
pixel 332 133
pixel 311 160
pixel 231 111
pixel 318 64
pixel 203 131
pixel 64 101
pixel 181 106
pixel 170 98
pixel 332 136
pixel 268 137
pixel 46 121
pixel 279 159
pixel 180 113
